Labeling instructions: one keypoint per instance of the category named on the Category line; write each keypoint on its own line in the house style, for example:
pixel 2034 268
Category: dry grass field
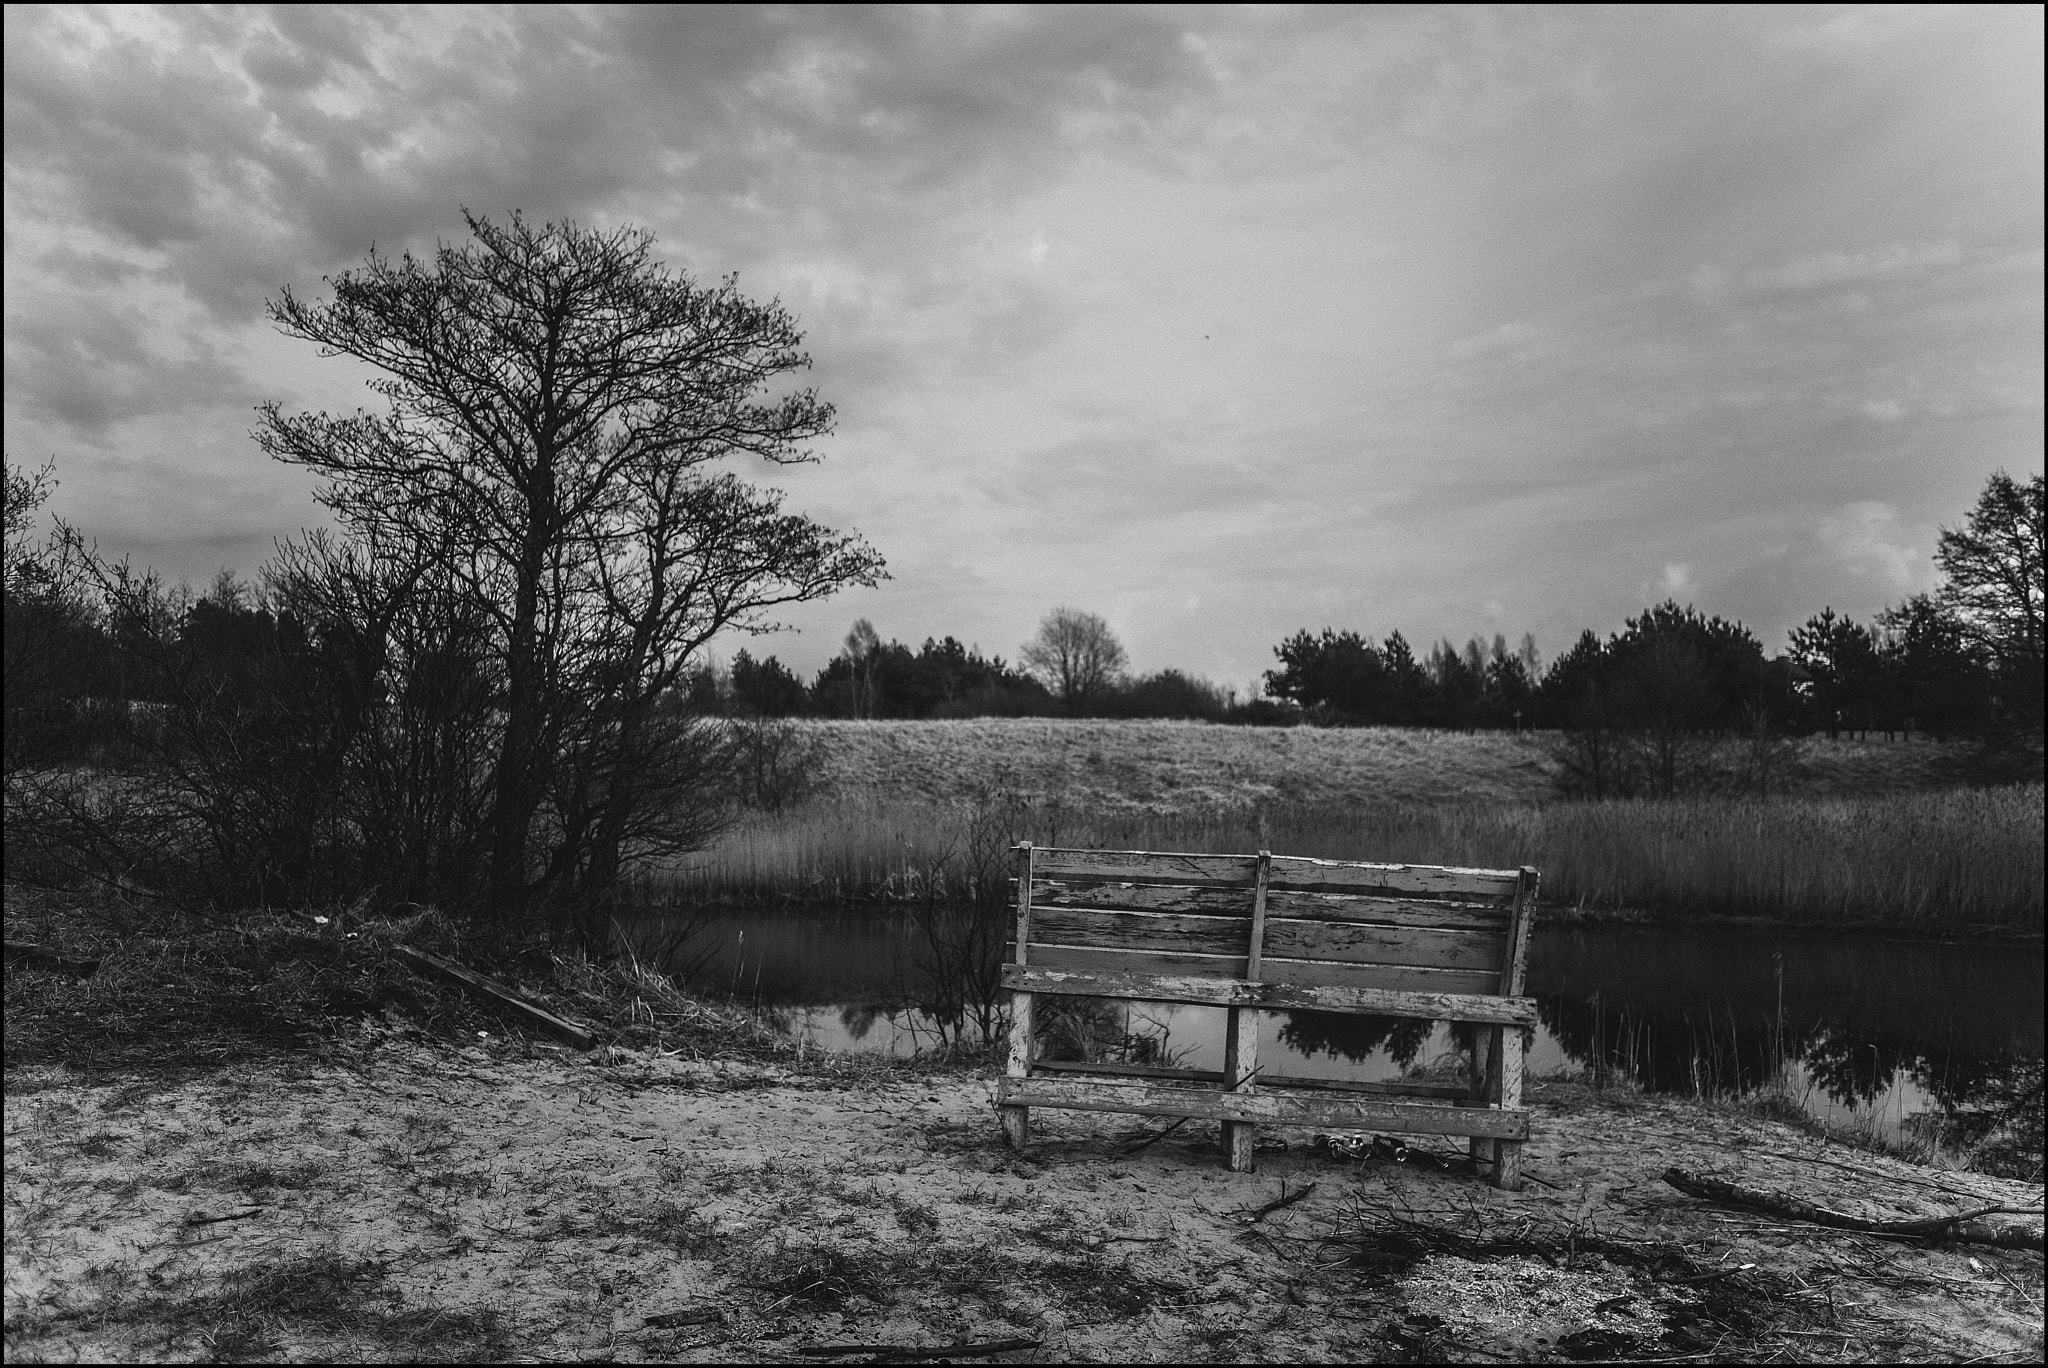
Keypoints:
pixel 1196 767
pixel 1869 837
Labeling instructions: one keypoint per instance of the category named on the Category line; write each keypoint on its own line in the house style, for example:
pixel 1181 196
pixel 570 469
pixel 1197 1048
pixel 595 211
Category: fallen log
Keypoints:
pixel 1967 1227
pixel 496 992
pixel 31 956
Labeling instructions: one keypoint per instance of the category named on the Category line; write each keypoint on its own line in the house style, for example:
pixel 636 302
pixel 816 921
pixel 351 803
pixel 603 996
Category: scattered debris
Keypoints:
pixel 884 1352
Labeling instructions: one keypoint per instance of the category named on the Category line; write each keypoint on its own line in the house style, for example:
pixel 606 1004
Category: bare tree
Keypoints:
pixel 558 406
pixel 863 649
pixel 1076 655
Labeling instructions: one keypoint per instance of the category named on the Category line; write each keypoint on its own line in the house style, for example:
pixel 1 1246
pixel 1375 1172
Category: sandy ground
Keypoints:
pixel 400 1199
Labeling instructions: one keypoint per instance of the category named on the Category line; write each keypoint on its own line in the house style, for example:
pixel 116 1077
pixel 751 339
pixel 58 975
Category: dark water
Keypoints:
pixel 1864 1032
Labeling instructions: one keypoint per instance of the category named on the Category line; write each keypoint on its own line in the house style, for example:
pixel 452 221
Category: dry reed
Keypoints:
pixel 1956 861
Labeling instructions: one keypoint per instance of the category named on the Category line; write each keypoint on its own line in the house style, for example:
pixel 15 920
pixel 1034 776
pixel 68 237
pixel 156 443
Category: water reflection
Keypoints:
pixel 1870 1030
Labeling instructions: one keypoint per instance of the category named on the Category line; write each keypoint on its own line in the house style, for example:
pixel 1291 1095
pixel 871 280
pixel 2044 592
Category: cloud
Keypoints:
pixel 1431 319
pixel 1868 539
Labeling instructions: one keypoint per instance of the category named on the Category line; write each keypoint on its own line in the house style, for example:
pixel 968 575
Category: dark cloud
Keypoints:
pixel 1418 318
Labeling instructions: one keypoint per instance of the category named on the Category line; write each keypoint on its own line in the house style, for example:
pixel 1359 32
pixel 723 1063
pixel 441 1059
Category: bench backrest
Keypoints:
pixel 1275 920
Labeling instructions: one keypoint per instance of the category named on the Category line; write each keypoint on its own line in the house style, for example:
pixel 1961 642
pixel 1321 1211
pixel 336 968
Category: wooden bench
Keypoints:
pixel 1257 932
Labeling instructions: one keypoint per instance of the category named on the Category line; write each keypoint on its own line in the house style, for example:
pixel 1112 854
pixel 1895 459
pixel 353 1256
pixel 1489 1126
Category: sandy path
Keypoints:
pixel 417 1202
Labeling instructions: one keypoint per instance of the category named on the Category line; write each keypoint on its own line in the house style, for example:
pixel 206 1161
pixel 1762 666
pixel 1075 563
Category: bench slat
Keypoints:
pixel 1117 895
pixel 1344 876
pixel 1395 978
pixel 1305 1109
pixel 1291 872
pixel 1444 1090
pixel 1336 942
pixel 1167 867
pixel 1209 991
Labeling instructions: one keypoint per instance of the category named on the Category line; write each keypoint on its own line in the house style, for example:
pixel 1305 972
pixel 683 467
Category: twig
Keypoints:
pixel 197 1220
pixel 1156 1136
pixel 1283 1200
pixel 670 1320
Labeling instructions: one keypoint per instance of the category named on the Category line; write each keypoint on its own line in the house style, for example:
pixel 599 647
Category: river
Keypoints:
pixel 1864 1033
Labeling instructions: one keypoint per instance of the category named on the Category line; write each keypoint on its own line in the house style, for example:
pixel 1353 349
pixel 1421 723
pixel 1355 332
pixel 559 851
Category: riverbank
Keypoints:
pixel 267 1140
pixel 391 1197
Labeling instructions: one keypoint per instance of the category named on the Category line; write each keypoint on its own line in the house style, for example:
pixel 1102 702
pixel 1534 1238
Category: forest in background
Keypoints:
pixel 1635 710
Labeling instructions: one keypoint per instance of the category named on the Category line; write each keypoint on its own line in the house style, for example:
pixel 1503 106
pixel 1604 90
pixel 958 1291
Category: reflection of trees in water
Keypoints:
pixel 1854 1069
pixel 860 1018
pixel 1664 1053
pixel 1341 1035
pixel 1683 1053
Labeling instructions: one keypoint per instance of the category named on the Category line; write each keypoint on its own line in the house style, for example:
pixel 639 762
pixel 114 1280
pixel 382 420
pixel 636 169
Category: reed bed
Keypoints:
pixel 1961 861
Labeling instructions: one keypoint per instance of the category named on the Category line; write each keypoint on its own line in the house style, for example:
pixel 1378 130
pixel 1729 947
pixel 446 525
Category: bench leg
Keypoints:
pixel 1017 1120
pixel 1507 1049
pixel 1481 1150
pixel 1240 1064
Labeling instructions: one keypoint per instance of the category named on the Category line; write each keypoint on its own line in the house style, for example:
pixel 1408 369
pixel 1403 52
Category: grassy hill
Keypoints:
pixel 1198 768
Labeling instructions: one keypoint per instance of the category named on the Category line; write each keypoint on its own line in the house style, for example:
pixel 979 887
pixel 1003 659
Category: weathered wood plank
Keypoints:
pixel 1507 1155
pixel 1302 1109
pixel 1288 872
pixel 1449 1091
pixel 1207 990
pixel 1351 943
pixel 486 987
pixel 1398 978
pixel 1523 919
pixel 1336 942
pixel 1119 895
pixel 1164 866
pixel 1017 1120
pixel 1439 881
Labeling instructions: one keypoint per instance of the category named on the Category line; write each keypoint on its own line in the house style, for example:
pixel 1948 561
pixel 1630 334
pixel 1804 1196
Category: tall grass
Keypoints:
pixel 1956 861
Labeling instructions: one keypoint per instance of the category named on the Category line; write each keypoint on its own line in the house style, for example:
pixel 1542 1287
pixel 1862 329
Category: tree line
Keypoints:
pixel 1073 668
pixel 1964 661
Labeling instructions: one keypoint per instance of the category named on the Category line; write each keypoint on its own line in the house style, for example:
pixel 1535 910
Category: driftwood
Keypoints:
pixel 31 956
pixel 1967 1227
pixel 498 993
pixel 898 1351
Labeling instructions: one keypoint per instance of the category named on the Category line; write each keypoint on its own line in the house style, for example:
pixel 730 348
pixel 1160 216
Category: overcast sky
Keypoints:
pixel 1220 324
